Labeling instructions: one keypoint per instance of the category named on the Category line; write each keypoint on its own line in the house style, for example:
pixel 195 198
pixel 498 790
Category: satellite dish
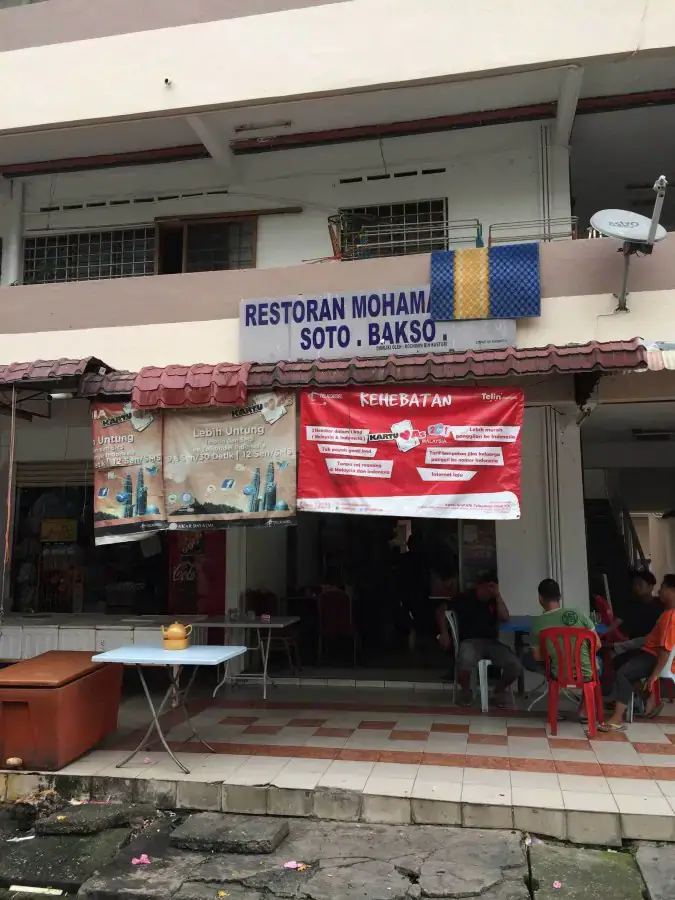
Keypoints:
pixel 638 233
pixel 626 226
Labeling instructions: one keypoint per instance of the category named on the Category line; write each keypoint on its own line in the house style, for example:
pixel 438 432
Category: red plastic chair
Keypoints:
pixel 560 643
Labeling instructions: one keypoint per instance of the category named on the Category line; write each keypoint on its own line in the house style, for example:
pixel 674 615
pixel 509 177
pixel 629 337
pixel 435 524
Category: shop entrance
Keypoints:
pixel 57 567
pixel 366 588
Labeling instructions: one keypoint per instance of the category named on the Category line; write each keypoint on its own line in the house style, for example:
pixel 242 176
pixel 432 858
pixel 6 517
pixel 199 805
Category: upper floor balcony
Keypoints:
pixel 164 59
pixel 194 317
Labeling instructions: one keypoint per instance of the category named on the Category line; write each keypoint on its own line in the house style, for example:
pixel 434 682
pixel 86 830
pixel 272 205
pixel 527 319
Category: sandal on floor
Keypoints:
pixel 610 729
pixel 658 709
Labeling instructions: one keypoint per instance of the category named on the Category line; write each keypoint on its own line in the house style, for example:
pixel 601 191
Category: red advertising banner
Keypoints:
pixel 446 452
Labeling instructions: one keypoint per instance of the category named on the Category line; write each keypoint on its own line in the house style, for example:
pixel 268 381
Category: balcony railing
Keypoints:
pixel 354 239
pixel 385 238
pixel 564 228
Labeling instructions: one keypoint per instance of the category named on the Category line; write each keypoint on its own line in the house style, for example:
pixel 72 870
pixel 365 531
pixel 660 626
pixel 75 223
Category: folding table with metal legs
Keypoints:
pixel 175 696
pixel 264 629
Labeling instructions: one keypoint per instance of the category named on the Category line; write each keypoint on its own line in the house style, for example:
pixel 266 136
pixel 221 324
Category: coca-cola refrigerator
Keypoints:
pixel 197 566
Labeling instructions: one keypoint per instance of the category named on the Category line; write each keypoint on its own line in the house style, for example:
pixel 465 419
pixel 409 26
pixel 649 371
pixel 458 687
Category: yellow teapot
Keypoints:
pixel 177 636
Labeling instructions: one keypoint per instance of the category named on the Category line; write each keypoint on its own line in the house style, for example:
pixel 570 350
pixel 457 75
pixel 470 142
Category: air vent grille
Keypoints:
pixel 385 176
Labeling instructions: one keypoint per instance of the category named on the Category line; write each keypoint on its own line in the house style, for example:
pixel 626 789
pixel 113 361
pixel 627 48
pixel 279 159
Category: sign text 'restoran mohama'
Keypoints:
pixel 366 323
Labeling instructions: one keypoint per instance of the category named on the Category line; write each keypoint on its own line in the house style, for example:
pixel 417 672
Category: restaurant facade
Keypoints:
pixel 407 230
pixel 62 494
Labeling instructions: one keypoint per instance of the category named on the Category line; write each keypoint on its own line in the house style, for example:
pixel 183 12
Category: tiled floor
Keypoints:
pixel 410 745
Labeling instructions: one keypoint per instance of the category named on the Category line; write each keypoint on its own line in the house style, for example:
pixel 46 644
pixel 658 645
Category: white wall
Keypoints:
pixel 577 320
pixel 130 347
pixel 343 47
pixel 491 174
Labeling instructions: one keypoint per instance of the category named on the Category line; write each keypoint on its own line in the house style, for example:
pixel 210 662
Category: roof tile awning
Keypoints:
pixel 228 384
pixel 106 384
pixel 176 387
pixel 46 372
pixel 595 356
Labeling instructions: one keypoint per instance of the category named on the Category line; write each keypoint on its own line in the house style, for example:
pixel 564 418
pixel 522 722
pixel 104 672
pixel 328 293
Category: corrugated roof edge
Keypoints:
pixel 594 356
pixel 50 371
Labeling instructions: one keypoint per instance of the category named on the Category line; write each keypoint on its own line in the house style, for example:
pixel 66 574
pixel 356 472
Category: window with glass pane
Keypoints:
pixel 394 229
pixel 90 255
pixel 212 246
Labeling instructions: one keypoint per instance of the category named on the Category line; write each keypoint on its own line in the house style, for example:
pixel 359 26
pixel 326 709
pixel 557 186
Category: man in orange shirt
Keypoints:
pixel 647 663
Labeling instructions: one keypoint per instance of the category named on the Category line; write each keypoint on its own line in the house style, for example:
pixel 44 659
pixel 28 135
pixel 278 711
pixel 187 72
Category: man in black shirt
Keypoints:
pixel 643 613
pixel 479 613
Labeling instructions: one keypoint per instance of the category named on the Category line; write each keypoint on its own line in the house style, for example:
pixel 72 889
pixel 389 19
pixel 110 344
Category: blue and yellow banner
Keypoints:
pixel 485 283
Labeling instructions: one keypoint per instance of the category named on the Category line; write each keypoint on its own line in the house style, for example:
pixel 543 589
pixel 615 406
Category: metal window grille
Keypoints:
pixel 394 229
pixel 214 246
pixel 89 256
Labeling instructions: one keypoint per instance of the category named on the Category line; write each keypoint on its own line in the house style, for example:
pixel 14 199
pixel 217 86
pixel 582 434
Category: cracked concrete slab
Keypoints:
pixel 167 871
pixel 657 867
pixel 58 861
pixel 374 880
pixel 364 862
pixel 221 833
pixel 583 874
pixel 88 819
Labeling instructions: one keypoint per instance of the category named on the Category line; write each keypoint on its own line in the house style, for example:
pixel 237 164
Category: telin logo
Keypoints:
pixel 624 224
pixel 316 397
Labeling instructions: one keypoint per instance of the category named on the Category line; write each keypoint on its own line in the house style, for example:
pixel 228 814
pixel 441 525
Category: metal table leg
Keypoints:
pixel 182 703
pixel 519 646
pixel 265 653
pixel 172 698
pixel 223 680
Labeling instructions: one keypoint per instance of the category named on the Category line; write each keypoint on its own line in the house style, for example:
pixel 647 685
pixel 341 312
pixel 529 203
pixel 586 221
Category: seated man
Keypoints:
pixel 639 619
pixel 647 662
pixel 479 613
pixel 554 616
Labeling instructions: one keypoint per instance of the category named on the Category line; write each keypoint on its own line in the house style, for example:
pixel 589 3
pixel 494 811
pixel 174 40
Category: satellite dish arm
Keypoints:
pixel 660 186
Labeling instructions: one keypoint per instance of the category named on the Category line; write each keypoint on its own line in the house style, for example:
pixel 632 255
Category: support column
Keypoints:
pixel 522 547
pixel 565 495
pixel 12 237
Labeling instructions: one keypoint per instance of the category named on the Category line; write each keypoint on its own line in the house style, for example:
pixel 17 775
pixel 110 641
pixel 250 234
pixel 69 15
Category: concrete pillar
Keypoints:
pixel 567 521
pixel 549 539
pixel 522 545
pixel 12 236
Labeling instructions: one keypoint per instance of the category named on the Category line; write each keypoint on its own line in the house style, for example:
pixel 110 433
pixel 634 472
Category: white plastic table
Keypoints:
pixel 173 660
pixel 257 626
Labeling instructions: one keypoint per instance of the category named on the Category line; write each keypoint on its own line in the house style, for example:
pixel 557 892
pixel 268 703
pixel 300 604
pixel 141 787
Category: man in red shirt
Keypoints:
pixel 647 662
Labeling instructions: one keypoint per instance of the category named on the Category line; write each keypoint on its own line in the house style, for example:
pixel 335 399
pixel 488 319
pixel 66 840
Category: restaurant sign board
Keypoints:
pixel 360 323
